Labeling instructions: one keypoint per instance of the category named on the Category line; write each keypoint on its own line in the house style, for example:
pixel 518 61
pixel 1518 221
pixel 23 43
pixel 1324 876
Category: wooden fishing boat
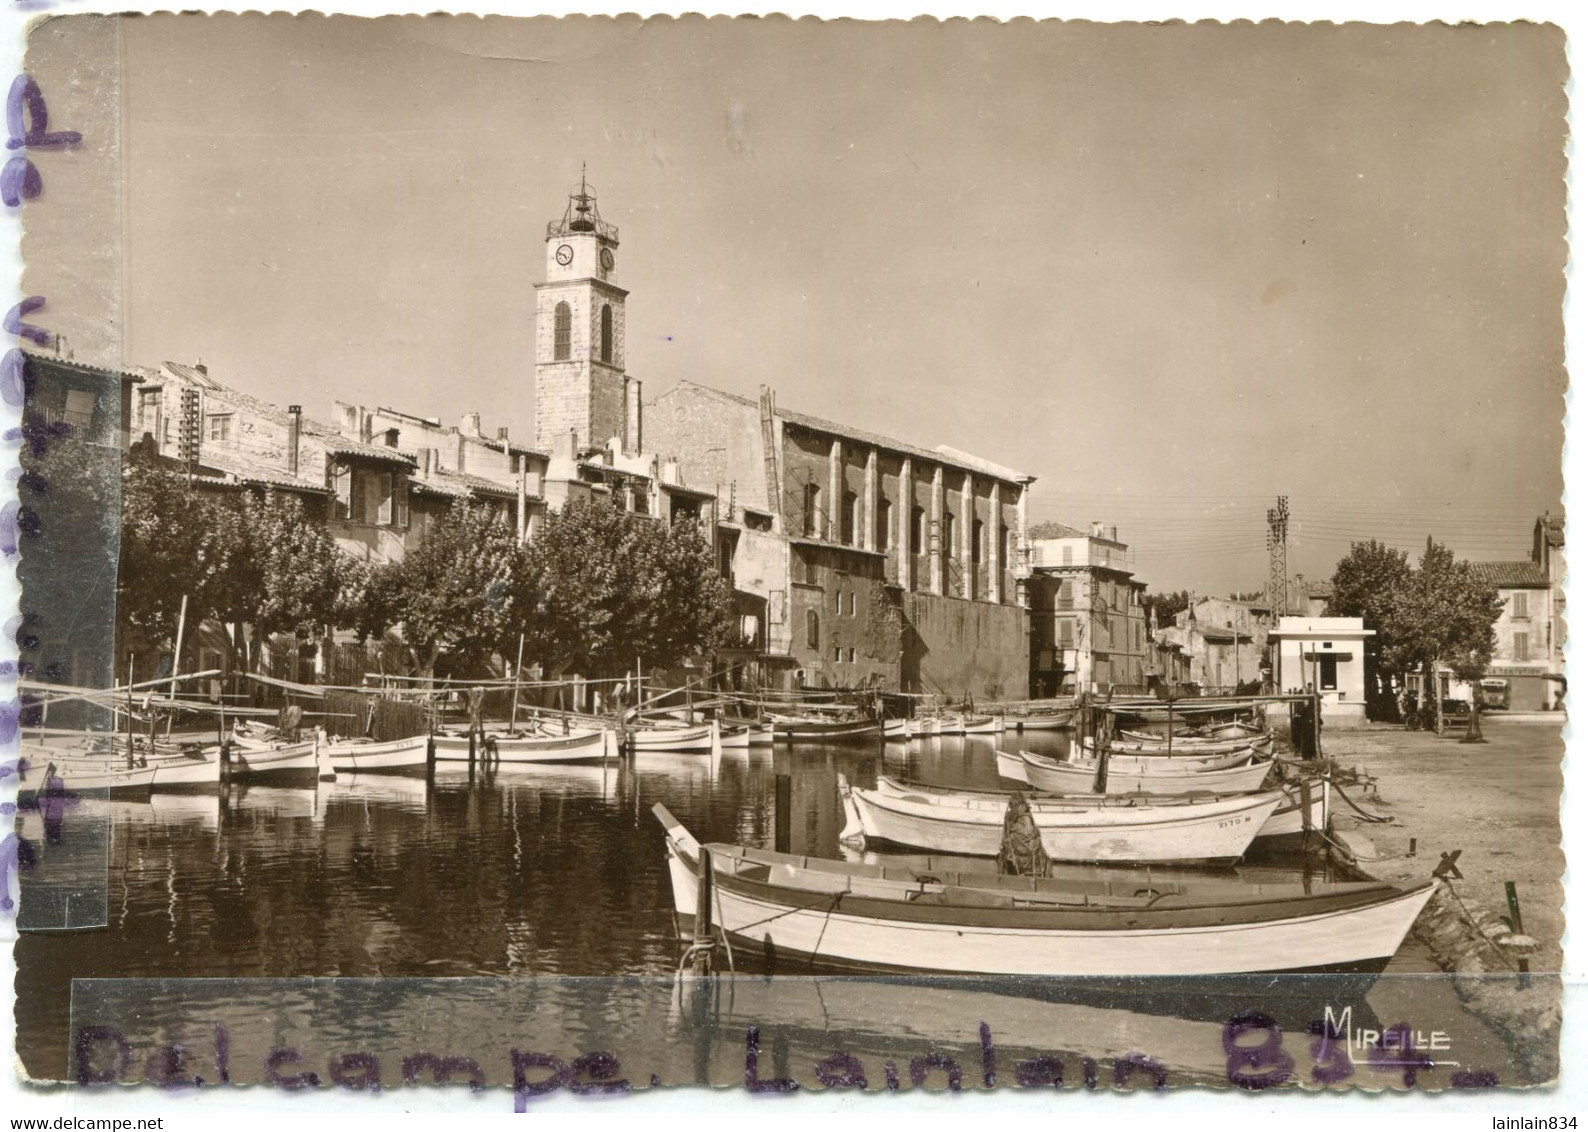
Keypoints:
pixel 195 769
pixel 891 917
pixel 580 744
pixel 982 725
pixel 258 753
pixel 1143 743
pixel 1084 751
pixel 762 735
pixel 688 737
pixel 735 738
pixel 48 771
pixel 1303 808
pixel 1155 776
pixel 896 730
pixel 1056 721
pixel 359 756
pixel 827 730
pixel 1138 828
pixel 1012 767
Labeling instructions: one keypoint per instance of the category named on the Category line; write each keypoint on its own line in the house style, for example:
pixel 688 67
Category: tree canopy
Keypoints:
pixel 455 594
pixel 247 557
pixel 1164 606
pixel 602 589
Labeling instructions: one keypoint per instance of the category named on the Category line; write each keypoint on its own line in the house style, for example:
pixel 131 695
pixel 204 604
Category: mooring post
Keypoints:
pixel 1317 725
pixel 1522 965
pixel 704 946
pixel 783 795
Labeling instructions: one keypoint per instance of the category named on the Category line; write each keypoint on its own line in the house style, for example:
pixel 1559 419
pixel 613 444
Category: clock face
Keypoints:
pixel 607 259
pixel 565 255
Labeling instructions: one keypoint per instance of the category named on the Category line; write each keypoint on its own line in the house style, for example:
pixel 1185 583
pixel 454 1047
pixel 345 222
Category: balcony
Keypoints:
pixel 67 422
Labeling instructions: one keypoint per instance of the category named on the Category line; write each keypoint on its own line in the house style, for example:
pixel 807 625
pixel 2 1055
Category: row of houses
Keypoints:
pixel 856 559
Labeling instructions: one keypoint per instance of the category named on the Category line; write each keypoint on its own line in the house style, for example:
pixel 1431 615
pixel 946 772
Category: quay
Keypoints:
pixel 1498 803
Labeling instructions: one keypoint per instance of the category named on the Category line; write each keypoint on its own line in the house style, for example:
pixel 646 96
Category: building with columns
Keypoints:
pixel 883 563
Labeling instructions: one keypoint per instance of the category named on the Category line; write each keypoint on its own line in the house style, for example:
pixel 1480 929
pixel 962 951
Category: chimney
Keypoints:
pixel 294 431
pixel 1113 533
pixel 426 461
pixel 501 434
pixel 201 367
pixel 1097 529
pixel 470 425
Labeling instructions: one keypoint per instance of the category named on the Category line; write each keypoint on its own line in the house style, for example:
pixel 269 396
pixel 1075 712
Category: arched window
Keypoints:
pixel 884 525
pixel 917 529
pixel 606 332
pixel 813 507
pixel 849 532
pixel 813 629
pixel 562 333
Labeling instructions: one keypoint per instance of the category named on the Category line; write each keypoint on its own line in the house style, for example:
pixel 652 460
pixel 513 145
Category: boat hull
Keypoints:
pixel 1054 777
pixel 575 747
pixel 1083 829
pixel 410 754
pixel 819 925
pixel 263 760
pixel 846 732
pixel 696 738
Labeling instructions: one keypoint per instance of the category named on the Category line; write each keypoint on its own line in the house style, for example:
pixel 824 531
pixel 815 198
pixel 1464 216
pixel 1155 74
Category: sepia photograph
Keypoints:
pixel 576 556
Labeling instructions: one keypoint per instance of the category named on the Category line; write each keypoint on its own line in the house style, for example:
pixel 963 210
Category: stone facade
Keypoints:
pixel 1088 624
pixel 920 523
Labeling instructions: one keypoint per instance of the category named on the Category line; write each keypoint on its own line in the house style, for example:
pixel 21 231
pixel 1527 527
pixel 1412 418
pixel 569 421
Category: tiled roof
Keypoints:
pixel 1511 573
pixel 1055 530
pixel 949 457
pixel 1554 530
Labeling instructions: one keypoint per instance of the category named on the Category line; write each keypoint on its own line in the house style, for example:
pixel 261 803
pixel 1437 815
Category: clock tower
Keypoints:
pixel 580 382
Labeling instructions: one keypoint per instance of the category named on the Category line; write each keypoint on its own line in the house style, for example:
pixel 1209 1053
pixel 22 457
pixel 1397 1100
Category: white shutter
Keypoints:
pixel 400 496
pixel 342 481
pixel 383 499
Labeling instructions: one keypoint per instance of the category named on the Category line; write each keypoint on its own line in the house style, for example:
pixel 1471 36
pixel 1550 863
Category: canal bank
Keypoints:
pixel 1498 804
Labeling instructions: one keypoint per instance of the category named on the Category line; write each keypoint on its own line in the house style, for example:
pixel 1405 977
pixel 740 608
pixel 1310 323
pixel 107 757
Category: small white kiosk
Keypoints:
pixel 1327 653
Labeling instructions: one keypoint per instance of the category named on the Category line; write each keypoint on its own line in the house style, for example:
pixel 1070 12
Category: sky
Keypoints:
pixel 1171 271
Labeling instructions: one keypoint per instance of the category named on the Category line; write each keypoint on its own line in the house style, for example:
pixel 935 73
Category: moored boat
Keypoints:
pixel 358 756
pixel 1084 751
pixel 254 753
pixel 1094 827
pixel 1156 776
pixel 827 730
pixel 578 745
pixel 695 737
pixel 890 917
pixel 47 772
pixel 1135 742
pixel 894 730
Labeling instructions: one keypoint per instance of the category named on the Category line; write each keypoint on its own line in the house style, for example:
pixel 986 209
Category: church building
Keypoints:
pixel 858 560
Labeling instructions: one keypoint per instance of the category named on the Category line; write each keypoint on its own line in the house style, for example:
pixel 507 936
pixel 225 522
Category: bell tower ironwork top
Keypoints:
pixel 582 215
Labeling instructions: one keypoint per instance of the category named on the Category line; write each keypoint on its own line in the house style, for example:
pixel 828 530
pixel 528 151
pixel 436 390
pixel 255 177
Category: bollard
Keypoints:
pixel 1524 977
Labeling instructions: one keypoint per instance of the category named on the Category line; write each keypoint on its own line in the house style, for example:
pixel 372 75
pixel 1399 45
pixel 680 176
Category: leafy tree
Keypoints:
pixel 1441 614
pixel 299 568
pixel 602 589
pixel 169 550
pixel 454 594
pixel 1364 585
pixel 1166 605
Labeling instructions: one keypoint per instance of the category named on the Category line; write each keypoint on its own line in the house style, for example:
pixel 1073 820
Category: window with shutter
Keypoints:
pixel 1519 605
pixel 400 499
pixel 342 477
pixel 1520 647
pixel 813 629
pixel 384 506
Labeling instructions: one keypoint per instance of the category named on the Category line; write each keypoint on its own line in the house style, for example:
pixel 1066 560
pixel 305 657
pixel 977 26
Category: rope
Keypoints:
pixel 1496 948
pixel 1377 819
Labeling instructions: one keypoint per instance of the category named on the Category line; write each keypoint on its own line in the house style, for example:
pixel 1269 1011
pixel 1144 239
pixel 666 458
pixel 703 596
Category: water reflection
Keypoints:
pixel 519 871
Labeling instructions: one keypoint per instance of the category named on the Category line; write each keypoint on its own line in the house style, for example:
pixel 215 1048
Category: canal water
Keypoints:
pixel 530 909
